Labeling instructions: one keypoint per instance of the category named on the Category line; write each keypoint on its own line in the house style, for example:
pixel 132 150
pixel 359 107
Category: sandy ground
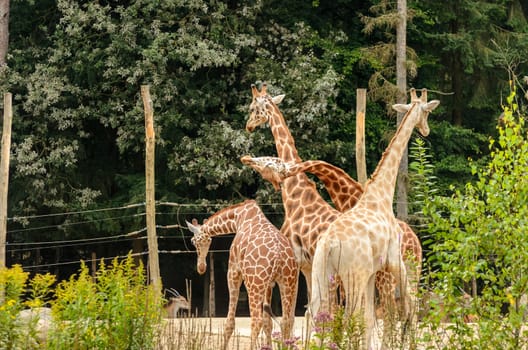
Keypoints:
pixel 206 334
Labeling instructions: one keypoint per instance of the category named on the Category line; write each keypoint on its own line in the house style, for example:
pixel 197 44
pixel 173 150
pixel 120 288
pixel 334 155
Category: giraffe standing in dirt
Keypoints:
pixel 366 238
pixel 260 256
pixel 343 191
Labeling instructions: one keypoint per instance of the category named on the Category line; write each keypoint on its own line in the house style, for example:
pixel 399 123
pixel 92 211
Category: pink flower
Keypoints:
pixel 331 279
pixel 323 317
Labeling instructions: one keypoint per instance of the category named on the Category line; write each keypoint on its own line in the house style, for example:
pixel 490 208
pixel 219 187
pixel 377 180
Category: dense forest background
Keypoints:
pixel 75 69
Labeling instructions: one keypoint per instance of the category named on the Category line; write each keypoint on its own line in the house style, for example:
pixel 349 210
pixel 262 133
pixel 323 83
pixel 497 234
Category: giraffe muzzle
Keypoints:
pixel 201 267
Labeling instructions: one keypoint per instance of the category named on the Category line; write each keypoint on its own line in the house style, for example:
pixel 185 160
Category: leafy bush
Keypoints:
pixel 114 310
pixel 480 243
pixel 12 284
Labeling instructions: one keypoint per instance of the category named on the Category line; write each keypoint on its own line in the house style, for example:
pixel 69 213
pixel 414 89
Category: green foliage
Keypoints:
pixel 14 284
pixel 467 62
pixel 480 240
pixel 450 148
pixel 114 311
pixel 422 181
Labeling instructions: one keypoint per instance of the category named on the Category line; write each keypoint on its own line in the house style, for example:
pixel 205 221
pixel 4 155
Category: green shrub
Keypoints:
pixel 479 244
pixel 114 310
pixel 12 286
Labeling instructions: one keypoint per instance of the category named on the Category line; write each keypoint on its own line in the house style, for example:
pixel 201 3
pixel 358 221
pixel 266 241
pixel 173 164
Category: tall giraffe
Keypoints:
pixel 345 192
pixel 307 214
pixel 259 256
pixel 366 238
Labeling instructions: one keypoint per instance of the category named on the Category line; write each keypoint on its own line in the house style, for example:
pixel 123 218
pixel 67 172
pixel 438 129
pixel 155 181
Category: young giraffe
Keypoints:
pixel 343 191
pixel 366 238
pixel 307 214
pixel 259 256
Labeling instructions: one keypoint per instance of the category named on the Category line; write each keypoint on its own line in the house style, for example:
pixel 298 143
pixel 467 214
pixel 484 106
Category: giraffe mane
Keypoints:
pixel 414 101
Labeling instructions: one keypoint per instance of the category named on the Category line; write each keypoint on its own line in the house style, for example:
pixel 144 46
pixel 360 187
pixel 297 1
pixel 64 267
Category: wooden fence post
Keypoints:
pixel 361 107
pixel 4 174
pixel 152 239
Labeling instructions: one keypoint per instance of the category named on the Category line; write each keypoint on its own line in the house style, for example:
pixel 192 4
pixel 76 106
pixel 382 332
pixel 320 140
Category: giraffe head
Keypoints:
pixel 202 242
pixel 424 108
pixel 273 169
pixel 261 107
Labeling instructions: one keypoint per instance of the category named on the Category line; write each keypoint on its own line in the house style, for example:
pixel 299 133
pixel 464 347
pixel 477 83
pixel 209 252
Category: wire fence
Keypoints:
pixel 35 243
pixel 59 243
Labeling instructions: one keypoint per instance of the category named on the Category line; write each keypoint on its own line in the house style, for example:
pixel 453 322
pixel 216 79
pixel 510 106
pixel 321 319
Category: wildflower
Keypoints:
pixel 266 347
pixel 291 343
pixel 323 317
pixel 332 346
pixel 276 335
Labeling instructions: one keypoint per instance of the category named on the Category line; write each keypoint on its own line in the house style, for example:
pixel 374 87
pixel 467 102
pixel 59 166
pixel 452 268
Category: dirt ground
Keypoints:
pixel 206 334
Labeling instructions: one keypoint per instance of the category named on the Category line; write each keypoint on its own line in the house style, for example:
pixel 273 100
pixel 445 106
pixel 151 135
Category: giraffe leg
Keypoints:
pixel 407 297
pixel 288 292
pixel 359 293
pixel 319 287
pixel 369 312
pixel 256 302
pixel 266 318
pixel 234 281
pixel 386 285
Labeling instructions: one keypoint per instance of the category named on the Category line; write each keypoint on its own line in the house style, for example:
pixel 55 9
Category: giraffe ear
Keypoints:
pixel 431 105
pixel 401 108
pixel 278 99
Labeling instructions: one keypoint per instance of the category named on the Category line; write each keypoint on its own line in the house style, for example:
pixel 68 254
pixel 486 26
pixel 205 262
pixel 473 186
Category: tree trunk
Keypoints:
pixel 401 82
pixel 4 31
pixel 457 88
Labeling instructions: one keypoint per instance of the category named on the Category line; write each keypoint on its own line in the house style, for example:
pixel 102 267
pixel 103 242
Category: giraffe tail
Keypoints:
pixel 267 309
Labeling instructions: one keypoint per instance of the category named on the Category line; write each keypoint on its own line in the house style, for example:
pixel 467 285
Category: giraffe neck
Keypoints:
pixel 227 220
pixel 284 142
pixel 380 187
pixel 343 190
pixel 299 194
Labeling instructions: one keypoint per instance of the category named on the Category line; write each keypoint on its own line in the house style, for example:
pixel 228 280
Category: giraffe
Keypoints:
pixel 366 238
pixel 345 192
pixel 260 256
pixel 307 214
